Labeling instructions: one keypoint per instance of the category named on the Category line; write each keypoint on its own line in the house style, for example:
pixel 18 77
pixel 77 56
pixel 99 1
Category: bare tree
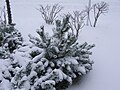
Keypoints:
pixel 77 21
pixel 99 8
pixel 49 13
pixel 87 10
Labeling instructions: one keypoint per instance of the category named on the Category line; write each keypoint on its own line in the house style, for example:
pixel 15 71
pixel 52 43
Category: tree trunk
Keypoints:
pixel 9 12
pixel 95 22
pixel 88 14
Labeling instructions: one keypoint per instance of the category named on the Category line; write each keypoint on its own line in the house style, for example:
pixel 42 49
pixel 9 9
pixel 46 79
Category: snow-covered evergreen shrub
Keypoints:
pixel 10 39
pixel 56 59
pixel 16 60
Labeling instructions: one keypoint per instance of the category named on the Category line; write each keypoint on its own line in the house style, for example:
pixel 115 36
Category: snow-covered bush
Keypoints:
pixel 18 59
pixel 55 60
pixel 10 39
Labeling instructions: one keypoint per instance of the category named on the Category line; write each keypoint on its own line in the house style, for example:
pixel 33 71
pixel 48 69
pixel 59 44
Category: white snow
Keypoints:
pixel 105 74
pixel 71 60
pixel 4 85
pixel 21 58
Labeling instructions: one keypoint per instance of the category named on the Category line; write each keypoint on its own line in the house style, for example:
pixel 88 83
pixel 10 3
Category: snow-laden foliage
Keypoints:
pixel 52 61
pixel 10 39
pixel 10 66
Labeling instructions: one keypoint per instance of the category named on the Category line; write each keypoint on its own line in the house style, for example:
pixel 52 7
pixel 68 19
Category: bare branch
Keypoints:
pixel 77 21
pixel 87 10
pixel 49 13
pixel 99 8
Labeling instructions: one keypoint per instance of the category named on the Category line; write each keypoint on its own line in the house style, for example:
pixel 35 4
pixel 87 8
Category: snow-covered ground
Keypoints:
pixel 105 74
